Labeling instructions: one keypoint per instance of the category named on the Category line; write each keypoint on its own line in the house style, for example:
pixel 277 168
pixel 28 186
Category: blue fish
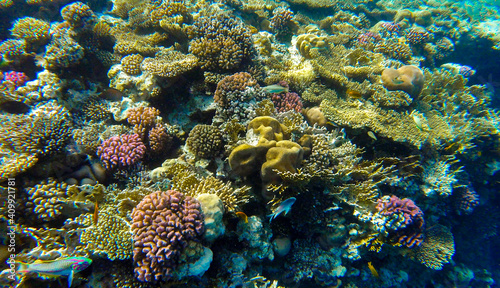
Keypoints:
pixel 67 266
pixel 285 206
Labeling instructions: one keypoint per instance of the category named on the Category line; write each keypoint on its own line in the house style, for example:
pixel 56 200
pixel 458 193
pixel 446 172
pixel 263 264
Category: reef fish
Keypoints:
pixel 285 206
pixel 242 216
pixel 67 266
pixel 275 89
pixel 373 270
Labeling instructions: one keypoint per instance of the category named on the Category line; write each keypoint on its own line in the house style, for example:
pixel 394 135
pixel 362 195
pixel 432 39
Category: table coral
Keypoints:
pixel 438 247
pixel 31 29
pixel 163 223
pixel 170 63
pixel 205 141
pixel 121 151
pixel 111 235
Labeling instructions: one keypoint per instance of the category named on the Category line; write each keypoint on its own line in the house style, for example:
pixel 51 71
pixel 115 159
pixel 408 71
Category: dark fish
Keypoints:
pixel 14 107
pixel 112 94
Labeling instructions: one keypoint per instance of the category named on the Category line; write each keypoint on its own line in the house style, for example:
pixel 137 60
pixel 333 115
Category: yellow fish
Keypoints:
pixel 373 270
pixel 242 216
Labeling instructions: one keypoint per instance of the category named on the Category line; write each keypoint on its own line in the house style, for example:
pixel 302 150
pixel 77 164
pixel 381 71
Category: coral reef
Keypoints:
pixel 438 247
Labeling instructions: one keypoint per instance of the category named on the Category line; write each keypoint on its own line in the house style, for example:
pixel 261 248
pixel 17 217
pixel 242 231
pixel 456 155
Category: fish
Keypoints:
pixel 372 135
pixel 242 216
pixel 275 88
pixel 285 206
pixel 95 217
pixel 14 107
pixel 373 270
pixel 354 94
pixel 66 266
pixel 112 94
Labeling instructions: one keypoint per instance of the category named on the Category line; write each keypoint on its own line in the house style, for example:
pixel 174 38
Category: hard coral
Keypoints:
pixel 170 63
pixel 121 152
pixel 31 29
pixel 236 82
pixel 220 42
pixel 78 15
pixel 131 64
pixel 163 224
pixel 47 199
pixel 407 78
pixel 287 101
pixel 411 229
pixel 205 141
pixel 306 42
pixel 285 157
pixel 438 247
pixel 143 118
pixel 62 51
pixel 111 235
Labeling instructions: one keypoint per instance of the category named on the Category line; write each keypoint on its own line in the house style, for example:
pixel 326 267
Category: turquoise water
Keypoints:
pixel 249 143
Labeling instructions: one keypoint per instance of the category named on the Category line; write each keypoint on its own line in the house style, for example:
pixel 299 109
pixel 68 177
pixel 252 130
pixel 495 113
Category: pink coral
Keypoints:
pixel 17 78
pixel 162 225
pixel 411 233
pixel 284 102
pixel 121 152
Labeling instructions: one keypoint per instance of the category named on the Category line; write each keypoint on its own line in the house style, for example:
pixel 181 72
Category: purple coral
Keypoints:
pixel 162 225
pixel 411 233
pixel 121 151
pixel 16 78
pixel 468 201
pixel 286 101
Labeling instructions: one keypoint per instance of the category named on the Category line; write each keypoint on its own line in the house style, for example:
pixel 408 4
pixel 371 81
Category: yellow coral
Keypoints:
pixel 131 64
pixel 306 42
pixel 170 63
pixel 111 235
pixel 31 29
pixel 437 248
pixel 286 156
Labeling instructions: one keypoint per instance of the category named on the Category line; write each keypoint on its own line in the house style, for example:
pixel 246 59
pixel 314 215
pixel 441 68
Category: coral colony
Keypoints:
pixel 294 143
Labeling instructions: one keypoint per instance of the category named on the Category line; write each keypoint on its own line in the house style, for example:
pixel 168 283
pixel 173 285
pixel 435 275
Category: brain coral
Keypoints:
pixel 220 42
pixel 121 152
pixel 163 223
pixel 205 141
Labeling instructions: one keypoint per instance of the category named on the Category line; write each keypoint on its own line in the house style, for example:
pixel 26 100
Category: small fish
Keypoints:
pixel 67 266
pixel 372 135
pixel 354 94
pixel 14 107
pixel 242 216
pixel 285 206
pixel 258 278
pixel 418 122
pixel 95 218
pixel 373 270
pixel 112 94
pixel 275 88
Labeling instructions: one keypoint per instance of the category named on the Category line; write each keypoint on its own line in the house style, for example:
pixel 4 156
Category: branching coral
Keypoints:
pixel 220 42
pixel 121 152
pixel 111 235
pixel 143 118
pixel 31 29
pixel 163 224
